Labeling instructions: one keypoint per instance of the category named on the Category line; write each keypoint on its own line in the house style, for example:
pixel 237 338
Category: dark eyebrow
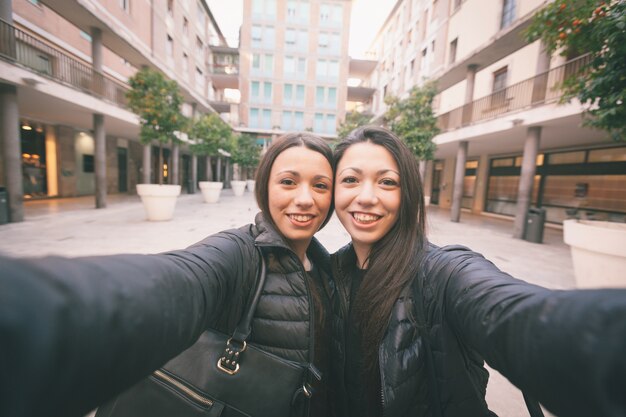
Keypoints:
pixel 297 174
pixel 360 171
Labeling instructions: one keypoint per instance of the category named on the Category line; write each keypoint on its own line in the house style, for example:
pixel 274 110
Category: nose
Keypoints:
pixel 367 195
pixel 304 197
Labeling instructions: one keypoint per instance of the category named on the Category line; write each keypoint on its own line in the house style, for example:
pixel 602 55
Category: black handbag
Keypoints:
pixel 220 375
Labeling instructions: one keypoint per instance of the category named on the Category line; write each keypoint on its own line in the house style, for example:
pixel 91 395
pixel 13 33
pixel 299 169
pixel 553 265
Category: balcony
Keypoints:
pixel 542 89
pixel 224 67
pixel 19 47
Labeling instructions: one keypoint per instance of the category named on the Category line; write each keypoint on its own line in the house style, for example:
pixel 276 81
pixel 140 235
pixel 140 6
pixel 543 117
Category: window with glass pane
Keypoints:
pixel 292 8
pixel 290 37
pixel 288 94
pixel 254 118
pixel 254 90
pixel 300 95
pixel 302 66
pixel 267 92
pixel 337 14
pixel 303 11
pixel 321 68
pixel 287 123
pixel 330 123
pixel 185 66
pixel 322 40
pixel 567 158
pixel 257 7
pixel 319 96
pixel 269 64
pixel 324 13
pixel 319 122
pixel 508 13
pixel 268 40
pixel 333 69
pixel 334 43
pixel 257 33
pixel 607 155
pixel 267 119
pixel 289 65
pixel 303 40
pixel 256 61
pixel 332 96
pixel 299 121
pixel 270 8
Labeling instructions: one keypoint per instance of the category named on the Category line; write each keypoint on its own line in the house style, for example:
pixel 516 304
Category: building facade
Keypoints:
pixel 506 143
pixel 293 67
pixel 64 66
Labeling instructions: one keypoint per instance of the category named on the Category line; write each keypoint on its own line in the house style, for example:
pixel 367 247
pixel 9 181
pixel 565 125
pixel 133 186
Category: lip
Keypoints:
pixel 365 225
pixel 300 223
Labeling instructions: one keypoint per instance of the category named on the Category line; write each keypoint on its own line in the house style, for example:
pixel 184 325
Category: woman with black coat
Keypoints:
pixel 74 332
pixel 414 323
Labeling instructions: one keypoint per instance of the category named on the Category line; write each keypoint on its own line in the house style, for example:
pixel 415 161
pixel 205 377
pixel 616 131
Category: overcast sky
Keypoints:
pixel 367 17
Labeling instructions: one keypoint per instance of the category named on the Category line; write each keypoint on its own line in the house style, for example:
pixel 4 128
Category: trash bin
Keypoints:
pixel 4 206
pixel 534 225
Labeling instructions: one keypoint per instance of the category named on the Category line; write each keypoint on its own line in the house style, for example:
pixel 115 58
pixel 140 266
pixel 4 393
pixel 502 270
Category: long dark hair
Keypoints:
pixel 289 140
pixel 388 273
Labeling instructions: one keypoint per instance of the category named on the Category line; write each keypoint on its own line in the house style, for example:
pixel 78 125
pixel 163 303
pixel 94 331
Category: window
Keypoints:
pixel 262 64
pixel 453 46
pixel 125 5
pixel 200 16
pixel 288 94
pixel 331 15
pixel 169 47
pixel 456 4
pixel 199 47
pixel 294 66
pixel 257 33
pixel 423 62
pixel 324 123
pixel 267 92
pixel 298 10
pixel 322 40
pixel 508 13
pixel 326 97
pixel 293 95
pixel 185 66
pixel 185 27
pixel 299 121
pixel 88 163
pixel 256 61
pixel 268 63
pixel 290 36
pixel 199 79
pixel 263 36
pixel 253 119
pixel 498 97
pixel 266 122
pixel 170 8
pixel 327 69
pixel 254 91
pixel 293 120
pixel 264 8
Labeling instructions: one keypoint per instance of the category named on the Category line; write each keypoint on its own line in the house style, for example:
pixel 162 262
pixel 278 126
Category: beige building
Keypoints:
pixel 293 66
pixel 64 67
pixel 506 144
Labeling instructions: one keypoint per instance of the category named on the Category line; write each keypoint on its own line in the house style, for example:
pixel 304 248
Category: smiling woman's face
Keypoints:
pixel 300 193
pixel 367 194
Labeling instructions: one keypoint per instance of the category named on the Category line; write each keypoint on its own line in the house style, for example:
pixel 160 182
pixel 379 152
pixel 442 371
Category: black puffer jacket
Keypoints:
pixel 75 332
pixel 564 348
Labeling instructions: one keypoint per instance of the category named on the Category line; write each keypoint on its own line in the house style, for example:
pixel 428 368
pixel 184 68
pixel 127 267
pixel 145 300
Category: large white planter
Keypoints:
pixel 158 200
pixel 598 251
pixel 211 190
pixel 250 185
pixel 238 187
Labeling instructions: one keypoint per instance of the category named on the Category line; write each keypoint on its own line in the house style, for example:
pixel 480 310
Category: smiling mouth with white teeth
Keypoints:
pixel 365 217
pixel 302 218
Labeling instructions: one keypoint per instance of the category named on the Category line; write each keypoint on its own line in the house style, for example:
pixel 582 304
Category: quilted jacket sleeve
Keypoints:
pixel 565 348
pixel 73 332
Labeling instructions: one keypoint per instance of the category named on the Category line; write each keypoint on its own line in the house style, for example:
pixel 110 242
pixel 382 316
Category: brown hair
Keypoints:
pixel 289 140
pixel 388 274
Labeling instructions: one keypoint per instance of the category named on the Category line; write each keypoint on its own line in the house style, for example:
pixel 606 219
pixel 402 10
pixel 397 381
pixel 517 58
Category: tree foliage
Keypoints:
pixel 157 101
pixel 353 120
pixel 412 119
pixel 599 28
pixel 245 151
pixel 210 133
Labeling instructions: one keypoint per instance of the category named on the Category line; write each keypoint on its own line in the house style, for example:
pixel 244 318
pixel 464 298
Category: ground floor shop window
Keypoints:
pixel 33 161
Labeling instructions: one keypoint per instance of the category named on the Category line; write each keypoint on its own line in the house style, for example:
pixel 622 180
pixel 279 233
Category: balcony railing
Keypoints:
pixel 224 69
pixel 18 46
pixel 542 89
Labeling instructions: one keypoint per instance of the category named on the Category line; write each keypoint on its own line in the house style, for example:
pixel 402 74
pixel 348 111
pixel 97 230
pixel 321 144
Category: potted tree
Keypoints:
pixel 413 120
pixel 157 101
pixel 597 28
pixel 246 155
pixel 210 134
pixel 237 156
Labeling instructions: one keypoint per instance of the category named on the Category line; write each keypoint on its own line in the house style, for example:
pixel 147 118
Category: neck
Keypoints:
pixel 362 254
pixel 300 251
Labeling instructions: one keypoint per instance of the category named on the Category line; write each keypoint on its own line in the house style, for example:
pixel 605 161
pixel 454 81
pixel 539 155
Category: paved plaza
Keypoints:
pixel 71 227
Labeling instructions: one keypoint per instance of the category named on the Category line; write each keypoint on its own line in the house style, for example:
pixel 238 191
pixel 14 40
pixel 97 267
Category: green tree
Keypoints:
pixel 157 101
pixel 599 28
pixel 412 119
pixel 246 153
pixel 353 120
pixel 210 134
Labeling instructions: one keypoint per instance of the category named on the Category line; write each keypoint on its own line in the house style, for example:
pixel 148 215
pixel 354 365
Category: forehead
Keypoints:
pixel 299 159
pixel 366 156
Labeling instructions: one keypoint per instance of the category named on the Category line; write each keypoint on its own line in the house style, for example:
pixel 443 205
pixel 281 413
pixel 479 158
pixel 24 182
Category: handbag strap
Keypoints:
pixel 236 345
pixel 534 409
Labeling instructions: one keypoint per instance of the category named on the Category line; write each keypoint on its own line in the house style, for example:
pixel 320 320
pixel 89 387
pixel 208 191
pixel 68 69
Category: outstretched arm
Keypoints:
pixel 73 332
pixel 565 348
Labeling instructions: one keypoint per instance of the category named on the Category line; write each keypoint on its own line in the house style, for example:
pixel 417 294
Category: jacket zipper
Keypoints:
pixel 382 380
pixel 183 389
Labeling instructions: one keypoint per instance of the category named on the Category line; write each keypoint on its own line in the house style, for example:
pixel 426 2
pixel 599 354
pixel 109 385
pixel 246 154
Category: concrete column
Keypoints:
pixel 194 173
pixel 468 108
pixel 218 176
pixel 227 172
pixel 459 174
pixel 100 160
pixel 146 166
pixel 11 151
pixel 482 179
pixel 525 190
pixel 540 83
pixel 175 164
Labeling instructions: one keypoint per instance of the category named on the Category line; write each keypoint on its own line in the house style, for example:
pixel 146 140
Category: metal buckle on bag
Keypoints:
pixel 307 391
pixel 229 363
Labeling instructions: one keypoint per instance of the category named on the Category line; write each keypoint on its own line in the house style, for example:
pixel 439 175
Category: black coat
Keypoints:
pixel 567 349
pixel 74 332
